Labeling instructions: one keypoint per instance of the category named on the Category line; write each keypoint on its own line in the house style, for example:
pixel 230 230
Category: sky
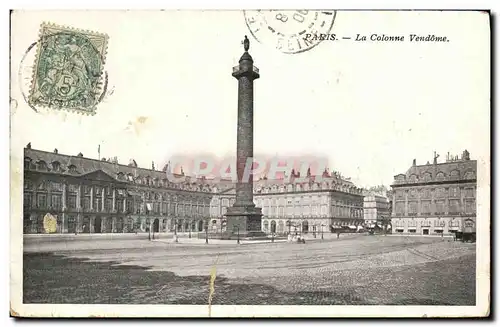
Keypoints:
pixel 369 107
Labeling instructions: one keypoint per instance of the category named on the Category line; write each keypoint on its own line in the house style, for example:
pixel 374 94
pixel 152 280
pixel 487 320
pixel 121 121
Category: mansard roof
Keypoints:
pixel 450 170
pixel 81 166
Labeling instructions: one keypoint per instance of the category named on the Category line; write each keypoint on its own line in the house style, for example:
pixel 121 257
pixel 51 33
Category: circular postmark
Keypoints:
pixel 290 31
pixel 65 72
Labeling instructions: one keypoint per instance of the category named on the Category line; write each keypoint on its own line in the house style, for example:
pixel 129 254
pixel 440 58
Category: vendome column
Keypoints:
pixel 244 217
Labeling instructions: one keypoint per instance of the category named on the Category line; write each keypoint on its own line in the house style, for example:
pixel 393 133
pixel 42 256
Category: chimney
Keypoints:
pixel 28 146
pixel 80 154
pixel 55 151
pixel 414 162
pixel 436 156
pixel 152 165
pixel 466 155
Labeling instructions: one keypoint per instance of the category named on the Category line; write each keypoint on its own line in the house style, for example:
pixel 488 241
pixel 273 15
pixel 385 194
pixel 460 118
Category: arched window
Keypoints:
pixel 455 174
pixel 305 226
pixel 273 226
pixel 56 166
pixel 265 226
pixel 440 176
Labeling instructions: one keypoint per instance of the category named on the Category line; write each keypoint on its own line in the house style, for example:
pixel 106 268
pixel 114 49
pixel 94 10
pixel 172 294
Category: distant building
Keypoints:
pixel 375 210
pixel 437 198
pixel 305 207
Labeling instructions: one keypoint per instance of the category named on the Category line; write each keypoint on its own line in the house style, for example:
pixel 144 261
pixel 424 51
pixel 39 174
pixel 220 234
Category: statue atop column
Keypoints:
pixel 246 43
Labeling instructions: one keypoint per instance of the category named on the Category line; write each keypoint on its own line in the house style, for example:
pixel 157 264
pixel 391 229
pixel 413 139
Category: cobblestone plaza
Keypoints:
pixel 353 269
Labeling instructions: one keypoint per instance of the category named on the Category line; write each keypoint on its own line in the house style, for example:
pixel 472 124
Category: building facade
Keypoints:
pixel 437 198
pixel 375 209
pixel 305 207
pixel 101 196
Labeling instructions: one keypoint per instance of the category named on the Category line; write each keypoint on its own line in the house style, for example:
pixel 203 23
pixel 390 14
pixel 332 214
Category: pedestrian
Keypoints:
pixel 338 234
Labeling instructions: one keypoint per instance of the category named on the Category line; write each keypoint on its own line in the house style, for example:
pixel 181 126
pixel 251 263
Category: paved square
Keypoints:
pixel 356 269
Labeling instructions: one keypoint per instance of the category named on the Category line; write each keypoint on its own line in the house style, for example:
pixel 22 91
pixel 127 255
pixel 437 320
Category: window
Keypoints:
pixel 427 177
pixel 426 207
pixel 470 175
pixel 56 166
pixel 27 199
pixel 72 169
pixel 470 206
pixel 86 203
pixel 42 200
pixel 440 192
pixel 71 223
pixel 454 192
pixel 469 192
pixel 440 207
pixel 42 165
pixel 400 208
pixel 455 174
pixel 72 201
pixel 97 203
pixel 27 163
pixel 56 201
pixel 454 206
pixel 440 176
pixel 108 203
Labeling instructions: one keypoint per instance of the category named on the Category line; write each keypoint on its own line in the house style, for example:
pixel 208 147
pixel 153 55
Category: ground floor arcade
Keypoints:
pixel 100 223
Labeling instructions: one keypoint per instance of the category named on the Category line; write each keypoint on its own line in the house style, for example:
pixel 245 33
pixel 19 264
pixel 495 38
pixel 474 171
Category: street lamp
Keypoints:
pixel 206 233
pixel 238 234
pixel 149 234
pixel 322 231
pixel 190 226
pixel 272 237
pixel 175 231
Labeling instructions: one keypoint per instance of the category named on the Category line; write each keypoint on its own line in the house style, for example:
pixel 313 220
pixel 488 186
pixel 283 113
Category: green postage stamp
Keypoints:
pixel 68 69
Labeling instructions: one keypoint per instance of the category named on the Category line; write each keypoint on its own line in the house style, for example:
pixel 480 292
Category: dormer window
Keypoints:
pixel 27 163
pixel 56 166
pixel 42 165
pixel 72 169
